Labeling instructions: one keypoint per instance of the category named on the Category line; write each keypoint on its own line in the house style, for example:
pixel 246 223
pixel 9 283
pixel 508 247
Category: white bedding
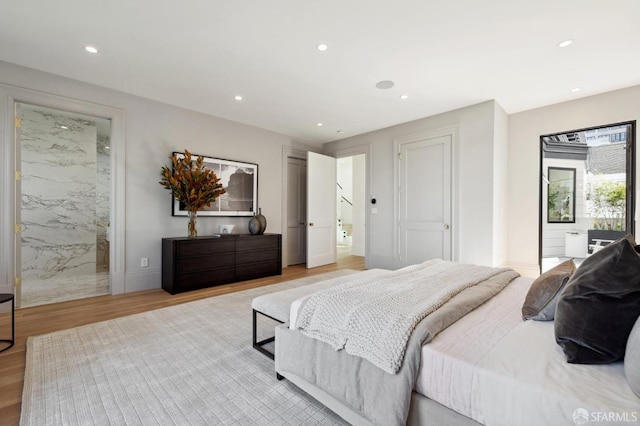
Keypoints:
pixel 500 370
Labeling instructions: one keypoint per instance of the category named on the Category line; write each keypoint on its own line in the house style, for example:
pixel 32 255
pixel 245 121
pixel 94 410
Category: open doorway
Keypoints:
pixel 63 200
pixel 346 244
pixel 350 204
pixel 587 189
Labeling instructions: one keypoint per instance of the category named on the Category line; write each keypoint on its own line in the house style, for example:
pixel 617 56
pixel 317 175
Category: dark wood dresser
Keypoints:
pixel 193 263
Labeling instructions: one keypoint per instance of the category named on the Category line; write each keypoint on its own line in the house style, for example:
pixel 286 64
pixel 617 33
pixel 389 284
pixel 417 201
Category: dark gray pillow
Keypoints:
pixel 632 359
pixel 542 297
pixel 600 304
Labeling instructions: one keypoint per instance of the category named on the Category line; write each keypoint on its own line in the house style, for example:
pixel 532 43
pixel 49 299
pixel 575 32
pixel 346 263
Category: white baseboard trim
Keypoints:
pixel 143 280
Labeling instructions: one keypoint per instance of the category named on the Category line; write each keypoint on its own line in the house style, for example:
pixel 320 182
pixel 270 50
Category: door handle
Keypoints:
pixel 302 223
pixel 310 223
pixel 446 226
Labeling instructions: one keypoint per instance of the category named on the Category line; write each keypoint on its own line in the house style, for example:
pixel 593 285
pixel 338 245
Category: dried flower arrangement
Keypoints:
pixel 192 184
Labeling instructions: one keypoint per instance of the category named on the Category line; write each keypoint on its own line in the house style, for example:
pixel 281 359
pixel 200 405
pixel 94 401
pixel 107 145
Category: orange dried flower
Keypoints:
pixel 191 182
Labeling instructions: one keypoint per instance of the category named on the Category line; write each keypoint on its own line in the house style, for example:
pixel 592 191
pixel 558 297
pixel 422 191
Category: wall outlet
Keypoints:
pixel 144 262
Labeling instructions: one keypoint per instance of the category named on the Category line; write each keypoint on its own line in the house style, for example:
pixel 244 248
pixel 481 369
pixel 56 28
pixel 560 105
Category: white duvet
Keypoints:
pixel 500 370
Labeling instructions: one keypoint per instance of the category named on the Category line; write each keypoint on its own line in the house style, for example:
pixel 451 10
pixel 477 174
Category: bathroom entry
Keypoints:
pixel 62 205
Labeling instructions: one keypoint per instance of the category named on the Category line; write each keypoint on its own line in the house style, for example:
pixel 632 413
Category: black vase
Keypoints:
pixel 254 225
pixel 262 220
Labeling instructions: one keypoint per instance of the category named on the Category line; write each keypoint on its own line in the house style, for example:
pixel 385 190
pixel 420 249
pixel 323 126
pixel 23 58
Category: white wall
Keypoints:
pixel 525 129
pixel 153 131
pixel 474 182
pixel 500 187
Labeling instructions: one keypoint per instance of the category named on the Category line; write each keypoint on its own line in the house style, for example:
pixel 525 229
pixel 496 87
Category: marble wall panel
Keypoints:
pixel 103 191
pixel 59 163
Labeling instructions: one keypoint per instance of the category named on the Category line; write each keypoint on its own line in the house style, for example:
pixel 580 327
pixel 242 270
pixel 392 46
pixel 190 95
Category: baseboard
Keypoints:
pixel 148 279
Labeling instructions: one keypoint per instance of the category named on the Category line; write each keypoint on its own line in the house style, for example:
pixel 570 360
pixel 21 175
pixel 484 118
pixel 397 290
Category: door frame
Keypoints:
pixel 9 96
pixel 301 200
pixel 397 148
pixel 290 152
pixel 631 177
pixel 350 152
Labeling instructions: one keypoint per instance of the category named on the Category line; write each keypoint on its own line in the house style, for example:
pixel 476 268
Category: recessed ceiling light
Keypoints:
pixel 575 89
pixel 319 124
pixel 404 96
pixel 64 127
pixel 237 97
pixel 91 49
pixel 385 84
pixel 565 43
pixel 322 47
pixel 106 147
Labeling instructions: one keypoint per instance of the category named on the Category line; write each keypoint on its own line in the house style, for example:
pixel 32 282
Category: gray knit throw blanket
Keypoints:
pixel 373 317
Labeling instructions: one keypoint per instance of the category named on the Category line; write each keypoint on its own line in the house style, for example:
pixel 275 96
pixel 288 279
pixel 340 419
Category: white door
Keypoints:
pixel 321 210
pixel 425 200
pixel 296 211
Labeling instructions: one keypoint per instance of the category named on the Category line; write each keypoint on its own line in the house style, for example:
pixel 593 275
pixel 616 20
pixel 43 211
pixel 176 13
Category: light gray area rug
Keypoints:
pixel 190 364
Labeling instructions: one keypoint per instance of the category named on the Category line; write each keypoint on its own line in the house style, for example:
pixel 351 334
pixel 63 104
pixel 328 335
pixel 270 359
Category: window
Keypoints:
pixel 618 137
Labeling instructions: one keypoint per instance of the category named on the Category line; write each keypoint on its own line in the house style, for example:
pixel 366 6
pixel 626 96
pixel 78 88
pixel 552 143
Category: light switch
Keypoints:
pixel 374 210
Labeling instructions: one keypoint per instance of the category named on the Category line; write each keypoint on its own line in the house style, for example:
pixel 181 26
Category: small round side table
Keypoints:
pixel 8 297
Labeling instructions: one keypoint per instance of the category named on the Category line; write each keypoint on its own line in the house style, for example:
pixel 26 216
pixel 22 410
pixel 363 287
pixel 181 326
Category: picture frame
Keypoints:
pixel 561 195
pixel 240 181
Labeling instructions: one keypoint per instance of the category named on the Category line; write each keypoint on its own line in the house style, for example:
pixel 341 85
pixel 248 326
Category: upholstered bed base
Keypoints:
pixel 423 411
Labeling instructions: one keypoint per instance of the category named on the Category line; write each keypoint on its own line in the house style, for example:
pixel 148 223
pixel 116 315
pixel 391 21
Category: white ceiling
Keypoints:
pixel 199 54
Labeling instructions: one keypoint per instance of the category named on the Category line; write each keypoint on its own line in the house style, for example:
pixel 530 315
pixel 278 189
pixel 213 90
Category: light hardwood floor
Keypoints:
pixel 60 316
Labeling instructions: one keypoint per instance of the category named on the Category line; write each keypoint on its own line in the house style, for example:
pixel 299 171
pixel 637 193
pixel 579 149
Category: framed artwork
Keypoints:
pixel 240 181
pixel 561 195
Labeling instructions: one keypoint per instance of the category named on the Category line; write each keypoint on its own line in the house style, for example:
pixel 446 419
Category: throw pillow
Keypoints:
pixel 600 304
pixel 632 359
pixel 542 297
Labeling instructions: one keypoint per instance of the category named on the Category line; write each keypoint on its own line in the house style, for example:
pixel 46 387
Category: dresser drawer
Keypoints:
pixel 205 263
pixel 256 256
pixel 199 280
pixel 257 270
pixel 209 246
pixel 258 242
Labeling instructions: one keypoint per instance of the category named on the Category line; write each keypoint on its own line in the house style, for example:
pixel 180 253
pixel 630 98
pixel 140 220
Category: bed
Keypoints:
pixel 488 367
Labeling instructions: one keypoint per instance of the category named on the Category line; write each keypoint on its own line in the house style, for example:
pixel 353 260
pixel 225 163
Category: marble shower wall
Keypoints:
pixel 103 189
pixel 59 203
